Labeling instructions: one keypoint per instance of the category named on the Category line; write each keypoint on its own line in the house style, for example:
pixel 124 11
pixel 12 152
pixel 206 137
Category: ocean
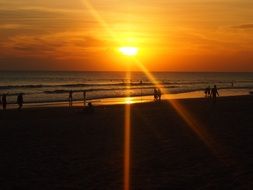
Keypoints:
pixel 43 87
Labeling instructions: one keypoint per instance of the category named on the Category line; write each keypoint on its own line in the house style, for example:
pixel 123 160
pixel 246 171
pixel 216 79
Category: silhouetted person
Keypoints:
pixel 20 101
pixel 4 101
pixel 208 91
pixel 214 93
pixel 84 98
pixel 159 94
pixel 155 94
pixel 70 98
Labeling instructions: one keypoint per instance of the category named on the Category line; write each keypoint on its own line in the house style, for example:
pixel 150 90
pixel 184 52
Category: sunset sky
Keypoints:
pixel 172 35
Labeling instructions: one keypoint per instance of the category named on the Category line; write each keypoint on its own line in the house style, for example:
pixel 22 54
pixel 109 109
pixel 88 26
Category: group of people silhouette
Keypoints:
pixel 20 101
pixel 211 93
pixel 157 94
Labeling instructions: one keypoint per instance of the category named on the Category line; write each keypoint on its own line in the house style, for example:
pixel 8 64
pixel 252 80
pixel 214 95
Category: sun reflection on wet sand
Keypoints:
pixel 127 137
pixel 129 100
pixel 127 147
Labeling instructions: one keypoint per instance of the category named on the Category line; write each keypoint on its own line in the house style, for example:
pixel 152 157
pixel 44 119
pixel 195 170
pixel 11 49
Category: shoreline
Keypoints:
pixel 119 99
pixel 125 100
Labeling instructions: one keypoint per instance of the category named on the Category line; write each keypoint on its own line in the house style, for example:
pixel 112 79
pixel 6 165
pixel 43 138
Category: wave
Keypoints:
pixel 62 91
pixel 9 87
pixel 20 86
pixel 136 83
pixel 62 98
pixel 179 90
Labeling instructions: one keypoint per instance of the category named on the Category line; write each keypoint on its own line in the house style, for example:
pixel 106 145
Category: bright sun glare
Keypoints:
pixel 129 51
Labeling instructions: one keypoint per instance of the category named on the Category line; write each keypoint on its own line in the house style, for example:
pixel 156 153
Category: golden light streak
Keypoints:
pixel 127 122
pixel 127 147
pixel 127 139
pixel 99 19
pixel 117 38
pixel 150 76
pixel 196 126
pixel 193 123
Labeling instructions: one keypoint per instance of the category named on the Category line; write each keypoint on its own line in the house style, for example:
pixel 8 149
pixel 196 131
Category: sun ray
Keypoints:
pixel 189 119
pixel 127 147
pixel 98 18
pixel 127 122
pixel 195 125
pixel 127 138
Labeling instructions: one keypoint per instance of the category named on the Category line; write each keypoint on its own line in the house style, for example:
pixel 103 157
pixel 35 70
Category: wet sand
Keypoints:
pixel 62 148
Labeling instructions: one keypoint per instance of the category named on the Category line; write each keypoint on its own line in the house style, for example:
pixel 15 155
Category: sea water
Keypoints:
pixel 42 87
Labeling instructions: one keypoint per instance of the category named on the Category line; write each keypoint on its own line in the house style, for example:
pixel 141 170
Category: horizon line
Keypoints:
pixel 159 71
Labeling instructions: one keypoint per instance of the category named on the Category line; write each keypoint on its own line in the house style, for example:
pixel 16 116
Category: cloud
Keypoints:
pixel 243 26
pixel 12 26
pixel 55 4
pixel 40 18
pixel 58 45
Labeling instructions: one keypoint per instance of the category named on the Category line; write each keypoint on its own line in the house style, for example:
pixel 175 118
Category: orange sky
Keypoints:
pixel 173 35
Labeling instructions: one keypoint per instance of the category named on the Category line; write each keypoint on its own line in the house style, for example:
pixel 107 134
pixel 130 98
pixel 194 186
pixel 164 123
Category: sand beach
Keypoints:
pixel 63 148
pixel 126 95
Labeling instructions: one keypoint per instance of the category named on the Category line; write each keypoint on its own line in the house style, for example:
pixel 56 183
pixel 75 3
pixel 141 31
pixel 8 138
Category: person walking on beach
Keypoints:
pixel 155 94
pixel 4 101
pixel 214 93
pixel 159 94
pixel 208 92
pixel 70 98
pixel 84 98
pixel 20 101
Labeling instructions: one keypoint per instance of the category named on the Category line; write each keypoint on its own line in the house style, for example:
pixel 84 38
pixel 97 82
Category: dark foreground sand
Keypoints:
pixel 59 148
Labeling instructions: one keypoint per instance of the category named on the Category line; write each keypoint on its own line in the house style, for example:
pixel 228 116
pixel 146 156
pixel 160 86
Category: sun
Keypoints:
pixel 129 51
